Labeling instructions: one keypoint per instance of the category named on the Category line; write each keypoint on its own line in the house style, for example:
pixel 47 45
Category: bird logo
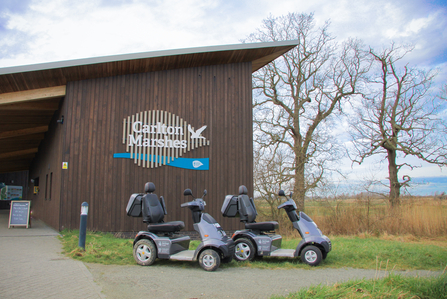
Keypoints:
pixel 196 134
pixel 196 164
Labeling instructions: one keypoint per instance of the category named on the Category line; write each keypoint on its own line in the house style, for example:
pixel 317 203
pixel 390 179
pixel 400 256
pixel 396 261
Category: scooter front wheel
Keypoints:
pixel 244 250
pixel 144 252
pixel 209 260
pixel 311 255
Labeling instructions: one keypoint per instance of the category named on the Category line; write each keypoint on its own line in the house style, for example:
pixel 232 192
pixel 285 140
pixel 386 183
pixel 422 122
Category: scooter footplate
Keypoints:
pixel 283 253
pixel 186 255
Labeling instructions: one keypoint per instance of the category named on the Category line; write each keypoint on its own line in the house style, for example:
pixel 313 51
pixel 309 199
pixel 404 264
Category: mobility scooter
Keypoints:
pixel 259 238
pixel 162 240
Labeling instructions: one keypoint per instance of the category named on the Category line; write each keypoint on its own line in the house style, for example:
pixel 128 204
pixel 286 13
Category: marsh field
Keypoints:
pixel 416 217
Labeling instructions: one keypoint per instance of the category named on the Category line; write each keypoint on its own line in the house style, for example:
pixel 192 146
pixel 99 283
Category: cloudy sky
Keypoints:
pixel 37 31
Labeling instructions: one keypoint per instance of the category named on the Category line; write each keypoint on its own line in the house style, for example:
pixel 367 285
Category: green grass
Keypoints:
pixel 370 253
pixel 101 248
pixel 392 286
pixel 351 252
pixel 366 253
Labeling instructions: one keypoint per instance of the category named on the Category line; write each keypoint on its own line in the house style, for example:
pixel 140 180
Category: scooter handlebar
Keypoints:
pixel 195 203
pixel 288 205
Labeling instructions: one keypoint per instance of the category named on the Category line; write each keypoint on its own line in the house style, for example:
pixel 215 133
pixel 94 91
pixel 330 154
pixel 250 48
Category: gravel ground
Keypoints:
pixel 164 281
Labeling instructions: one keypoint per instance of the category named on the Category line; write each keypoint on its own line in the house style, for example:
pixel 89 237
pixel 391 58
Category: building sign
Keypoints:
pixel 156 138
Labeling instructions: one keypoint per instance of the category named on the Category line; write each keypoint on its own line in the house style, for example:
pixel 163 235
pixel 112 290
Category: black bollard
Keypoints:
pixel 83 225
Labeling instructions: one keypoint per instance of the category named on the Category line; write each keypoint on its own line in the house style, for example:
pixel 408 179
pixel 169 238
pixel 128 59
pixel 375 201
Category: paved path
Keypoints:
pixel 166 281
pixel 33 267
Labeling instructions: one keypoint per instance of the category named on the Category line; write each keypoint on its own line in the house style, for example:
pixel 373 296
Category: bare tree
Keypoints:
pixel 296 94
pixel 443 93
pixel 399 118
pixel 270 175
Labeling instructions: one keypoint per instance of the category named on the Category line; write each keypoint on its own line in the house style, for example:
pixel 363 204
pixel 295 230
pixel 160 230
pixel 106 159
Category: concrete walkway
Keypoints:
pixel 33 267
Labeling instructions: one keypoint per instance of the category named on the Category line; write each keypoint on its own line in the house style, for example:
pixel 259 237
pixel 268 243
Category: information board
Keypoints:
pixel 19 213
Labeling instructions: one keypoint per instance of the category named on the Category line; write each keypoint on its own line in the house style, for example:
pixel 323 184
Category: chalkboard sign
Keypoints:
pixel 19 213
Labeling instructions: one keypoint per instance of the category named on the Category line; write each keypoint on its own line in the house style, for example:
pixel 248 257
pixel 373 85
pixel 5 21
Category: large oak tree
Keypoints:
pixel 296 95
pixel 398 117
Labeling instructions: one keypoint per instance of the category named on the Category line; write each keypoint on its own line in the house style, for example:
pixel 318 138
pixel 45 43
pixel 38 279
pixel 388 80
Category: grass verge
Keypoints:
pixel 392 286
pixel 353 252
pixel 103 248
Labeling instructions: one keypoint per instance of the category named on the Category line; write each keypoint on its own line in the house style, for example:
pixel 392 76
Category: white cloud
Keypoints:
pixel 65 29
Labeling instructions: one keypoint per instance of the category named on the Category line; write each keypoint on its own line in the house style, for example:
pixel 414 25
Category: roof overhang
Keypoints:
pixel 30 94
pixel 59 73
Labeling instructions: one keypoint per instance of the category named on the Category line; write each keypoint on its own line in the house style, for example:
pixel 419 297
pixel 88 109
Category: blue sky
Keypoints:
pixel 427 186
pixel 37 31
pixel 430 185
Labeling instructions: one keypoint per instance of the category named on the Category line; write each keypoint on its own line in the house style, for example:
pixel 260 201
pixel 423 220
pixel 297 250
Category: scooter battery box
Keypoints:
pixel 229 207
pixel 134 205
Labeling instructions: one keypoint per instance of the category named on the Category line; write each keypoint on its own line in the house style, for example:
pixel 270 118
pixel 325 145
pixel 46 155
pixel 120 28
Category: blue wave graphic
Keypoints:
pixel 185 163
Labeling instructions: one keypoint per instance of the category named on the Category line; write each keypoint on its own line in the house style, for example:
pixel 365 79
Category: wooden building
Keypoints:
pixel 96 130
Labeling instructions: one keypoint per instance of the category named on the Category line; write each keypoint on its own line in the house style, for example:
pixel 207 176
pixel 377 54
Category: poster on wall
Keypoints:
pixel 11 192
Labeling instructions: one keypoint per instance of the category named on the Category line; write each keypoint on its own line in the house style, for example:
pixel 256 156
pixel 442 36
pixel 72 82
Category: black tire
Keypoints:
pixel 209 260
pixel 311 255
pixel 244 250
pixel 144 252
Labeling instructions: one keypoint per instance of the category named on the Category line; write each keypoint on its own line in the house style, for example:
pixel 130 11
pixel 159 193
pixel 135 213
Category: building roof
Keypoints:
pixel 59 73
pixel 30 94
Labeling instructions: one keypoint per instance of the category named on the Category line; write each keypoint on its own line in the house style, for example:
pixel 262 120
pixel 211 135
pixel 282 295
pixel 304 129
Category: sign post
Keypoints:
pixel 19 213
pixel 83 225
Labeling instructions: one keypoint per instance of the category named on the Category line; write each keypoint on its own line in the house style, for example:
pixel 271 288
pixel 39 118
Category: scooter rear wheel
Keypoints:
pixel 311 255
pixel 144 252
pixel 209 260
pixel 244 250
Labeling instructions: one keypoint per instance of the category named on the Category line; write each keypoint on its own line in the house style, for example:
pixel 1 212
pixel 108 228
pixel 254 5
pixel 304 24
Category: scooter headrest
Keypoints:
pixel 243 190
pixel 149 187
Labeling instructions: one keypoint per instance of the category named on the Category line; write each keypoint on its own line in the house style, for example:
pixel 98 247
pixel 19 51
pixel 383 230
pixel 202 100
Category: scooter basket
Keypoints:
pixel 229 207
pixel 134 205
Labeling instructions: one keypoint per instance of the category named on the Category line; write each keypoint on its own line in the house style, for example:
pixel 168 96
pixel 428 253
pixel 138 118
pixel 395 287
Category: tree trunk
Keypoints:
pixel 394 182
pixel 299 190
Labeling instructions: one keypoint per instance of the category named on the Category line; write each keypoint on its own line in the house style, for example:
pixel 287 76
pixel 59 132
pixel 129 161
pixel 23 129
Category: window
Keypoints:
pixel 51 185
pixel 46 187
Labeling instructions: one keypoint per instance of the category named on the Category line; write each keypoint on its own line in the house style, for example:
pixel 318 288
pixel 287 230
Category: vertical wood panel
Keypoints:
pixel 216 96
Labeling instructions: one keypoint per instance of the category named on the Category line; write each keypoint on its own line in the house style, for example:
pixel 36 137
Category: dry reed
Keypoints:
pixel 420 217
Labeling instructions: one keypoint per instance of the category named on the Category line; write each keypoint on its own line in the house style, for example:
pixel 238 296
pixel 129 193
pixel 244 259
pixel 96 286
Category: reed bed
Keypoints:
pixel 417 216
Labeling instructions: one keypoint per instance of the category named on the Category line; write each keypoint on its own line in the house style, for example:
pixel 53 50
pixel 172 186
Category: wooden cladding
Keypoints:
pixel 98 113
pixel 32 95
pixel 24 118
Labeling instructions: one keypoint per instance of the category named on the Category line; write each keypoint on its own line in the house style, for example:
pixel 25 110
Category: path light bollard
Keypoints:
pixel 83 225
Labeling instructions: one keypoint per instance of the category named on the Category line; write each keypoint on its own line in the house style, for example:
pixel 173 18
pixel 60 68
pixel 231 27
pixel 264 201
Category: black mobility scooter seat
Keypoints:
pixel 262 226
pixel 154 210
pixel 245 208
pixel 166 227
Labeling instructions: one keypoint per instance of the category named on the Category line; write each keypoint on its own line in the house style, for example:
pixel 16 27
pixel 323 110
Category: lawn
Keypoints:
pixel 392 286
pixel 365 252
